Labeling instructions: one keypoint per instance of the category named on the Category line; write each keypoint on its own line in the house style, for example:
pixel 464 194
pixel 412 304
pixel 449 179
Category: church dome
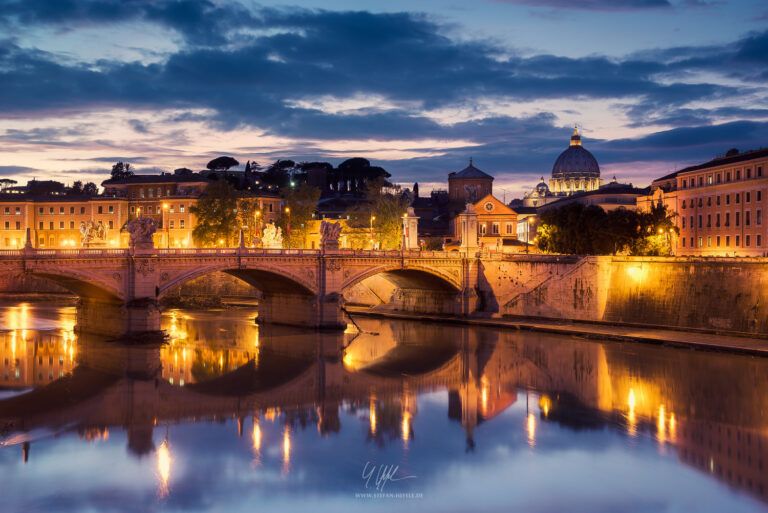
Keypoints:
pixel 576 162
pixel 542 189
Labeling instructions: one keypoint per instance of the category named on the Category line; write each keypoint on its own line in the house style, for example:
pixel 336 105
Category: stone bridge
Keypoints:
pixel 299 286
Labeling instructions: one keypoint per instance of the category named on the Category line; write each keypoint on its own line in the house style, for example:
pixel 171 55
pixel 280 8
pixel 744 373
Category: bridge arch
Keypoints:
pixel 269 279
pixel 413 275
pixel 83 284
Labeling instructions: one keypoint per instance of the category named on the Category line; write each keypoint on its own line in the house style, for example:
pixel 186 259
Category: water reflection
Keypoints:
pixel 392 384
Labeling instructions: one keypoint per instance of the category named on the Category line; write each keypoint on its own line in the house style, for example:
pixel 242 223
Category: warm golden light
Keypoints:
pixel 406 427
pixel 631 419
pixel 163 467
pixel 545 404
pixel 286 447
pixel 287 210
pixel 165 206
pixel 531 424
pixel 256 437
pixel 661 424
pixel 372 415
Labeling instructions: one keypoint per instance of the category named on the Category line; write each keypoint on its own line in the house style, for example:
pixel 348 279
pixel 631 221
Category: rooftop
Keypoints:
pixel 722 161
pixel 470 172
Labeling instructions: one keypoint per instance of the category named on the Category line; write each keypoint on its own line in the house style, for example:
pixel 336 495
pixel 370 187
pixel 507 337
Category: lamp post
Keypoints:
pixel 528 233
pixel 258 224
pixel 288 225
pixel 167 226
pixel 373 218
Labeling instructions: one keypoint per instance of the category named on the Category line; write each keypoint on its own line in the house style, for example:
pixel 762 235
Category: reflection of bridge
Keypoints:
pixel 302 287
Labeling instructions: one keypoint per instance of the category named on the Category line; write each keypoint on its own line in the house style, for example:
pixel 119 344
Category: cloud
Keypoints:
pixel 594 5
pixel 15 170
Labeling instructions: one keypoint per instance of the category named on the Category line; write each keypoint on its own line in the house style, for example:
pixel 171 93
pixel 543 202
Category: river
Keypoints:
pixel 225 415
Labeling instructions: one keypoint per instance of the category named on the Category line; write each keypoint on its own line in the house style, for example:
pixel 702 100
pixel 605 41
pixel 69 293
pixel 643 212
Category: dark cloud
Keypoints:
pixel 14 170
pixel 139 126
pixel 594 5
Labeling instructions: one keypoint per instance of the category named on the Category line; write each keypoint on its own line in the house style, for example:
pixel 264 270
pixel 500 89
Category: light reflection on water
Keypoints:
pixel 228 416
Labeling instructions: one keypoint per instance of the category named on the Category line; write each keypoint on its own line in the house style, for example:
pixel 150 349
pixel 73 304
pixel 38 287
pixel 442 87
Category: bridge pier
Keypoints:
pixel 112 319
pixel 302 310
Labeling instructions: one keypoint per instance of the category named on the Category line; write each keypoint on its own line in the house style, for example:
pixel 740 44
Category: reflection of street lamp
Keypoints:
pixel 373 218
pixel 167 226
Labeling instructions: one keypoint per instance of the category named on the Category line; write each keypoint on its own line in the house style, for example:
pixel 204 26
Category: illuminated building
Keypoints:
pixel 54 220
pixel 720 205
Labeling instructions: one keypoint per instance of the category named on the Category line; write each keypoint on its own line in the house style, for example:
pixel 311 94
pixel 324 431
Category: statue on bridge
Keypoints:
pixel 141 230
pixel 92 233
pixel 329 235
pixel 272 237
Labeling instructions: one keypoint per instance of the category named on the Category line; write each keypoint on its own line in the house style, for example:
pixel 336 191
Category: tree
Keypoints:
pixel 301 202
pixel 183 171
pixel 5 183
pixel 90 189
pixel 121 171
pixel 222 163
pixel 353 175
pixel 76 189
pixel 248 220
pixel 217 219
pixel 386 205
pixel 45 187
pixel 279 174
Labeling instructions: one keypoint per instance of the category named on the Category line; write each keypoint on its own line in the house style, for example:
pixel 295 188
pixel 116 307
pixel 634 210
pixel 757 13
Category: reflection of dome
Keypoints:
pixel 576 162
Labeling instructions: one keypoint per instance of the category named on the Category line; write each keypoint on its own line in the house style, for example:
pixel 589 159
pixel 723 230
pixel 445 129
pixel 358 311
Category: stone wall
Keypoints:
pixel 24 284
pixel 726 294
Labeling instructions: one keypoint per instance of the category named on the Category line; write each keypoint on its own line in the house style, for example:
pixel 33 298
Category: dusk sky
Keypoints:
pixel 416 87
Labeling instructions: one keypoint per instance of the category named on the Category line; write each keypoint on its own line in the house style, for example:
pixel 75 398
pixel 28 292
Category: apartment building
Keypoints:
pixel 720 205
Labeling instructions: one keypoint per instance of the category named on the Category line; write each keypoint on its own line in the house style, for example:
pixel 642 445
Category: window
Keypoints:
pixel 150 210
pixel 151 193
pixel 746 197
pixel 171 209
pixel 18 211
pixel 728 176
pixel 709 179
pixel 737 241
pixel 18 225
pixel 171 224
pixel 61 211
pixel 727 219
pixel 683 241
pixel 7 225
pixel 111 209
pixel 759 240
pixel 738 174
pixel 82 210
pixel 101 209
pixel 141 193
pixel 717 201
pixel 727 199
pixel 509 229
pixel 691 222
pixel 746 218
pixel 709 220
pixel 71 210
pixel 41 226
pixel 133 210
pixel 181 208
pixel 746 240
pixel 758 195
pixel 709 242
pixel 50 210
pixel 52 241
pixel 737 218
pixel 701 181
pixel 701 202
pixel 41 241
pixel 738 198
pixel 700 221
pixel 50 225
pixel 759 174
pixel 71 225
pixel 758 217
pixel 718 241
pixel 181 224
pixel 719 178
pixel 270 208
pixel 717 221
pixel 7 210
pixel 683 222
pixel 111 224
pixel 727 240
pixel 691 241
pixel 749 175
pixel 61 225
pixel 701 242
pixel 495 228
pixel 133 194
pixel 159 192
pixel 709 201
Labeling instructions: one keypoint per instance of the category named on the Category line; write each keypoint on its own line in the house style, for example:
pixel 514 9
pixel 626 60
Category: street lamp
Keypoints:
pixel 288 225
pixel 167 226
pixel 528 233
pixel 373 218
pixel 258 223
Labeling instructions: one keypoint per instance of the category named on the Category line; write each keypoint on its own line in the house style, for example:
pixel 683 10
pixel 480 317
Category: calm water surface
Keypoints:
pixel 389 415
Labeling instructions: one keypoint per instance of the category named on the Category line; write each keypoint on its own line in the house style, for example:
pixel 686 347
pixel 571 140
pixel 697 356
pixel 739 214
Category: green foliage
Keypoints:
pixel 589 230
pixel 121 171
pixel 387 206
pixel 301 202
pixel 247 219
pixel 217 218
pixel 222 163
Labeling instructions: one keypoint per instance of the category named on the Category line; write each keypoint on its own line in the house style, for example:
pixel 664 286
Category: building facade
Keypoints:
pixel 55 220
pixel 720 205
